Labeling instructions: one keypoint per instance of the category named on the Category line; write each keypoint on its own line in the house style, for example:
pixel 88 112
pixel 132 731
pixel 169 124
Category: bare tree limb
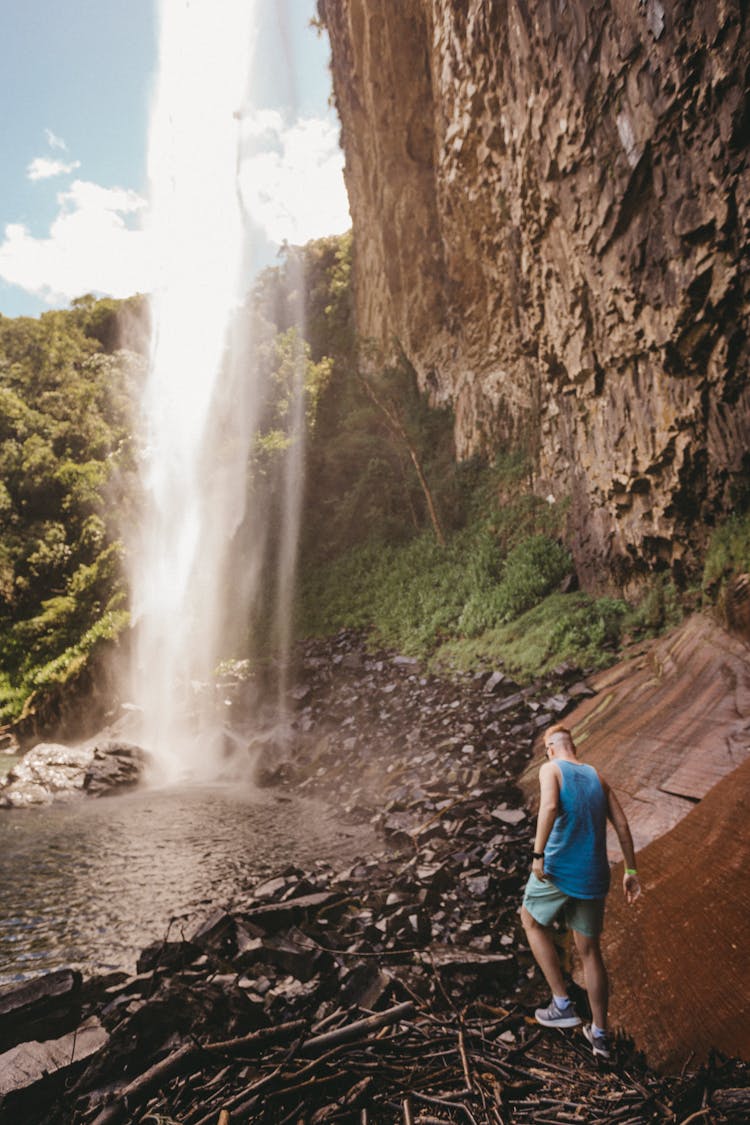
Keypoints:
pixel 398 430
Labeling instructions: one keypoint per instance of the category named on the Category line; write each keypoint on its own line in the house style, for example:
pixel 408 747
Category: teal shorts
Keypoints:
pixel 544 902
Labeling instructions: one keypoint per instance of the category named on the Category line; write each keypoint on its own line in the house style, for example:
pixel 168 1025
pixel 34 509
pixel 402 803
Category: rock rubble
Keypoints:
pixel 378 735
pixel 399 989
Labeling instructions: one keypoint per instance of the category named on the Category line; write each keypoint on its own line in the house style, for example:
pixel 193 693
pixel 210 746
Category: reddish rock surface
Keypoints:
pixel 679 957
pixel 664 727
pixel 670 729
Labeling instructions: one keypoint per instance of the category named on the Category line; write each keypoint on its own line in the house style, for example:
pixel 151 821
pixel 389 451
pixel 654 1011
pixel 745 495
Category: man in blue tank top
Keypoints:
pixel 570 878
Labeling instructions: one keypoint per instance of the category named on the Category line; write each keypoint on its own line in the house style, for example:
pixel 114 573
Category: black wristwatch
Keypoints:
pixel 537 855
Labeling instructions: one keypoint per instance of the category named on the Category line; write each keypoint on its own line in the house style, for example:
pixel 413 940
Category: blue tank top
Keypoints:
pixel 575 857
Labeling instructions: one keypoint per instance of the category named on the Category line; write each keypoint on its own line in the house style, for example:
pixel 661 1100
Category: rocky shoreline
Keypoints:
pixel 400 989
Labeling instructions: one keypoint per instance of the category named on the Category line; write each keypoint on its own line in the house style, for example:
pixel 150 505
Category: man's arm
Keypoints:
pixel 549 799
pixel 631 887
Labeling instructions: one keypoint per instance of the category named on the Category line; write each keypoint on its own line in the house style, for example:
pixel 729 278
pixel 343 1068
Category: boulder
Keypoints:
pixel 115 765
pixel 51 771
pixel 48 771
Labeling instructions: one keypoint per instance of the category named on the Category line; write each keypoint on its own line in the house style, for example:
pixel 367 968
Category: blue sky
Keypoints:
pixel 76 80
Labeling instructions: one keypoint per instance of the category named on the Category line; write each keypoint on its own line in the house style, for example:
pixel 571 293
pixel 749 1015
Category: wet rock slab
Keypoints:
pixel 25 1066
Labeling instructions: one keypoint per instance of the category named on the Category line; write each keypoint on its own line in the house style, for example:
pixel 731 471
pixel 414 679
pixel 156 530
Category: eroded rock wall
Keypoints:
pixel 551 210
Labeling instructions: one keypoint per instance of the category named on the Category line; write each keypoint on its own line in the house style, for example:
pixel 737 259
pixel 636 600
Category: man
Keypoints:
pixel 570 877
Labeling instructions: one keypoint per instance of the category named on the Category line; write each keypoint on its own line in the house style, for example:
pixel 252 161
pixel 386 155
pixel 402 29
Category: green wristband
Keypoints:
pixel 630 871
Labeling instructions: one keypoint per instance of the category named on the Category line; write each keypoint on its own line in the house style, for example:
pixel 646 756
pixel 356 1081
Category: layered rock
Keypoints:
pixel 551 209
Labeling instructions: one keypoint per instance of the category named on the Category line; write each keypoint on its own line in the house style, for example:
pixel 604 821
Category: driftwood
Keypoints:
pixel 734 1101
pixel 181 1060
pixel 357 1030
pixel 419 1061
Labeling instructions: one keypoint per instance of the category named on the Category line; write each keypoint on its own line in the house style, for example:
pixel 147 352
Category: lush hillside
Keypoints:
pixel 67 390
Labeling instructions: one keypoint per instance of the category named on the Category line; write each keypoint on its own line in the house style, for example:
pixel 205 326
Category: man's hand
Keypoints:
pixel 631 888
pixel 537 868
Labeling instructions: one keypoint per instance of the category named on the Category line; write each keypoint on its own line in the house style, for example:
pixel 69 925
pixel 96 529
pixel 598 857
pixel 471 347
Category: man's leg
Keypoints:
pixel 595 975
pixel 545 954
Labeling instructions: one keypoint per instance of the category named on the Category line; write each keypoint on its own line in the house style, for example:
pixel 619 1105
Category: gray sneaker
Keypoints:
pixel 557 1017
pixel 600 1044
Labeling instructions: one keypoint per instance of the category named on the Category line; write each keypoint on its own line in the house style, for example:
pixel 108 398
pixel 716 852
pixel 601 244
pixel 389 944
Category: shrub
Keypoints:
pixel 563 627
pixel 660 608
pixel 532 570
pixel 416 595
pixel 728 552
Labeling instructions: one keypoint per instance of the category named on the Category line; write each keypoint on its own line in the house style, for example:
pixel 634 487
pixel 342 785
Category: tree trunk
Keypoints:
pixel 396 426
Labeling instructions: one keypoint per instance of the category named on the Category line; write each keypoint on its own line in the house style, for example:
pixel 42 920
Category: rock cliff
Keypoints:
pixel 551 208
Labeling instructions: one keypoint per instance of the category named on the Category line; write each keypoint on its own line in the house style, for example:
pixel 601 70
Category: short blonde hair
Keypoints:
pixel 558 728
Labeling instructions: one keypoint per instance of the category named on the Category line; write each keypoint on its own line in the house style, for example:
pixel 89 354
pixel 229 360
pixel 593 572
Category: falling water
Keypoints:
pixel 201 407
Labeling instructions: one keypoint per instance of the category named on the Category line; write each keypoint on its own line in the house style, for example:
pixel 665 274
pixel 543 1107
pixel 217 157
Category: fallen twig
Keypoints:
pixel 464 1059
pixel 356 1030
pixel 181 1059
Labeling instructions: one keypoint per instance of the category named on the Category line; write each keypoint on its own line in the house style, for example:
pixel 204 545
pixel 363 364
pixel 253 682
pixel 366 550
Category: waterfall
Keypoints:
pixel 191 594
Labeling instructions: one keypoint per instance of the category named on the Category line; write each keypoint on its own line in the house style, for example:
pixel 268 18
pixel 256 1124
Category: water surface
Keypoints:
pixel 88 884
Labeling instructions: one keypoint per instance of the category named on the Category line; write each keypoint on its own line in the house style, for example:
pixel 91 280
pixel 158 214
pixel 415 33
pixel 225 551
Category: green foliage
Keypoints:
pixel 70 660
pixel 381 476
pixel 66 475
pixel 361 482
pixel 563 627
pixel 114 324
pixel 417 594
pixel 531 569
pixel 728 553
pixel 660 607
pixel 286 358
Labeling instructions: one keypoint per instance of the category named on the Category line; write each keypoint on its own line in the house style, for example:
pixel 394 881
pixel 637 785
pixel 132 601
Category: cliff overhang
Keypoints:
pixel 551 208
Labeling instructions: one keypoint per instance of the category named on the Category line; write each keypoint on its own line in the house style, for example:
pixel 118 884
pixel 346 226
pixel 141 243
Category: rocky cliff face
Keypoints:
pixel 551 203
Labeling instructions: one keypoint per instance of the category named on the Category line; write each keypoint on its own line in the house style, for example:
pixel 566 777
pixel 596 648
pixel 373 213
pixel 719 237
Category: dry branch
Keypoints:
pixel 181 1060
pixel 357 1030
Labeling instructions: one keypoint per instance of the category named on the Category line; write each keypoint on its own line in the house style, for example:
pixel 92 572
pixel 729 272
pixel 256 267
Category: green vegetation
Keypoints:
pixel 66 391
pixel 728 553
pixel 563 627
pixel 484 597
pixel 397 538
pixel 459 564
pixel 418 594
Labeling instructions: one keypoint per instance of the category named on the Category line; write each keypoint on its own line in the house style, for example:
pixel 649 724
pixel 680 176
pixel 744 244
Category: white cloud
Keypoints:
pixel 44 167
pixel 90 247
pixel 292 178
pixel 54 141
